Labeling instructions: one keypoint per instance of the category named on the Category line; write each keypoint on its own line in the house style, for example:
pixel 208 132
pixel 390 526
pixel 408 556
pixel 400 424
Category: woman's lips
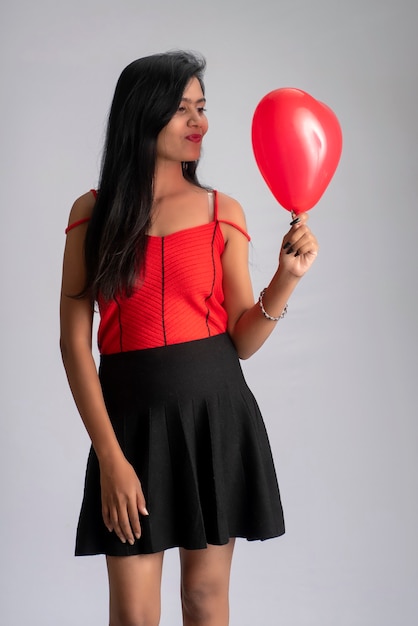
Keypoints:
pixel 194 138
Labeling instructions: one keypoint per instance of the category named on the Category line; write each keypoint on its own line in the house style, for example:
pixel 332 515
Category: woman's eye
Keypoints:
pixel 200 110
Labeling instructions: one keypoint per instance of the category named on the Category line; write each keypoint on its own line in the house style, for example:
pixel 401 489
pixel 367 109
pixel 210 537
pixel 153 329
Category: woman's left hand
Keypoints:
pixel 299 248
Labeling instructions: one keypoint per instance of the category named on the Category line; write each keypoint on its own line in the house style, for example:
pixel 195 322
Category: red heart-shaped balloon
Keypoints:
pixel 297 143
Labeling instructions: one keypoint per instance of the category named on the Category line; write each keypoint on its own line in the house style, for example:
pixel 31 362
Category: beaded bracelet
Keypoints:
pixel 264 312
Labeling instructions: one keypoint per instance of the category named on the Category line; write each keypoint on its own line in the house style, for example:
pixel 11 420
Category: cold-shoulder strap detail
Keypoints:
pixel 77 223
pixel 213 195
pixel 83 220
pixel 241 230
pixel 216 218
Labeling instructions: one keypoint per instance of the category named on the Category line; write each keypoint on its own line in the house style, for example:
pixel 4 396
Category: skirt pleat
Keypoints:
pixel 190 426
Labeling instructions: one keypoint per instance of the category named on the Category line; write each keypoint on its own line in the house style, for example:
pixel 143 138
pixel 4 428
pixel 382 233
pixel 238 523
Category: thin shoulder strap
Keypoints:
pixel 84 220
pixel 213 208
pixel 241 230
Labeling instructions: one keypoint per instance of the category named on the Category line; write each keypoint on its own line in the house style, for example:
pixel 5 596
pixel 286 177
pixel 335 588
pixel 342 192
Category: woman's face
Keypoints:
pixel 181 139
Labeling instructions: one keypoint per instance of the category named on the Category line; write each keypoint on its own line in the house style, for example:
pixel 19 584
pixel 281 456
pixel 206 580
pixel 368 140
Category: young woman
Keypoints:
pixel 179 456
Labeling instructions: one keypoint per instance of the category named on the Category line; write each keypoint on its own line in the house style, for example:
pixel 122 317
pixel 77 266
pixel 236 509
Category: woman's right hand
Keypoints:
pixel 122 499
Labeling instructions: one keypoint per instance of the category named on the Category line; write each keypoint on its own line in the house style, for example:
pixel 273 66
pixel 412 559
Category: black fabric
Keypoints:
pixel 190 426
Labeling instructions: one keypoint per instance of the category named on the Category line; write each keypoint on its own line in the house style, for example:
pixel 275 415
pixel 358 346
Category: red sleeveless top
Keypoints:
pixel 181 296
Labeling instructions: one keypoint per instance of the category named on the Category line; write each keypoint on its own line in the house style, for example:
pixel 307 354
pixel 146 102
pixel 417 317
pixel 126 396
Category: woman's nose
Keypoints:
pixel 194 119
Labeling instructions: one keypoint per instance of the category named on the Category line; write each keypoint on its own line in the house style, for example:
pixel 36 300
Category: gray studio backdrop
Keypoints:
pixel 337 382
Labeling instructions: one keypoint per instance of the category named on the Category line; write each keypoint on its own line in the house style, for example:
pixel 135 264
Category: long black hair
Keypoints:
pixel 147 95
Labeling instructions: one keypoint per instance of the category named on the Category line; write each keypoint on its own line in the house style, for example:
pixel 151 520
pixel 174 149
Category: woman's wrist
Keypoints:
pixel 109 454
pixel 264 312
pixel 281 285
pixel 274 298
pixel 285 277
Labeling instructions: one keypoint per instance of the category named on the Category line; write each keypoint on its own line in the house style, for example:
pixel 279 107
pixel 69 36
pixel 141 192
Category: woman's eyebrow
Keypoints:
pixel 190 101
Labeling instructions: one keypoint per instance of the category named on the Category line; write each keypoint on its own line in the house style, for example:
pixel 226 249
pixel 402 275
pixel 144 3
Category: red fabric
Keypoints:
pixel 181 298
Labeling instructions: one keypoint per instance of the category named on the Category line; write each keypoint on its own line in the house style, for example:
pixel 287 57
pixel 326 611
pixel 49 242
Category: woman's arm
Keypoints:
pixel 247 325
pixel 122 495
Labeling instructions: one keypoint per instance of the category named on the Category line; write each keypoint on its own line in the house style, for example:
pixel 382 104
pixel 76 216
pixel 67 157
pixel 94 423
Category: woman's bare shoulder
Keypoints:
pixel 230 209
pixel 82 208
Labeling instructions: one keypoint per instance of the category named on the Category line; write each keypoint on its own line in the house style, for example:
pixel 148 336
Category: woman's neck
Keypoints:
pixel 168 180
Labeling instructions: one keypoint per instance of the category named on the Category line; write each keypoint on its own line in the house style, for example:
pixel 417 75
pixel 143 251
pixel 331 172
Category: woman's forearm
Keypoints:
pixel 85 386
pixel 252 329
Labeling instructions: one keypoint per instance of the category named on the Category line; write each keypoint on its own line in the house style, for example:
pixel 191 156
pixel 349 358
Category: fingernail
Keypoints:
pixel 297 253
pixel 137 535
pixel 286 245
pixel 295 221
pixel 131 541
pixel 290 250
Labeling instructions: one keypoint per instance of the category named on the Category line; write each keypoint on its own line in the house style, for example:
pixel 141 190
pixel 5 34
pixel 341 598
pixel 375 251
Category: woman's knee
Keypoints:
pixel 201 601
pixel 205 584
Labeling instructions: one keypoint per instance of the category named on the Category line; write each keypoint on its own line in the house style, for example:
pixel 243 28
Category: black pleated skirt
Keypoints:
pixel 190 426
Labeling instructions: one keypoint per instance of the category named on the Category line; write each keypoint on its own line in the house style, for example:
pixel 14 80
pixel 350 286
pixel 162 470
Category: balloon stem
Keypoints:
pixel 293 215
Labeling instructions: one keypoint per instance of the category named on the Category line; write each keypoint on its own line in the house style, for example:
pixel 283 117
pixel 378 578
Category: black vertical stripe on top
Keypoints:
pixel 208 297
pixel 162 291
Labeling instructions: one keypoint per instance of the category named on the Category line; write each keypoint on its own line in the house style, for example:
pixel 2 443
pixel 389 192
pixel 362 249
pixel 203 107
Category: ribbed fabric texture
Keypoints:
pixel 181 298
